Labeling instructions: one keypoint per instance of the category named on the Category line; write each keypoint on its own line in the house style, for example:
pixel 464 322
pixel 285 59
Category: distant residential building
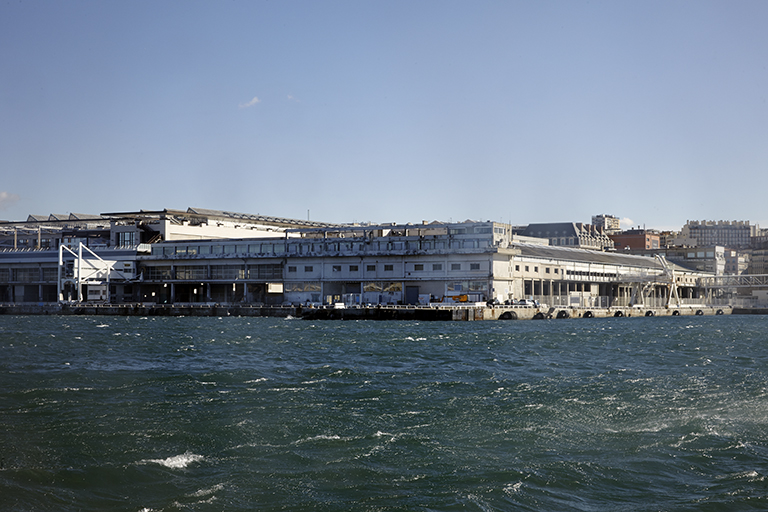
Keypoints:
pixel 667 238
pixel 571 234
pixel 758 263
pixel 733 234
pixel 736 262
pixel 609 223
pixel 636 239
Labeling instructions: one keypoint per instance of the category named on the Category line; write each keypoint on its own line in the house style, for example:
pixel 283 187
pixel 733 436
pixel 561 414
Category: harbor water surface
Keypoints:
pixel 166 414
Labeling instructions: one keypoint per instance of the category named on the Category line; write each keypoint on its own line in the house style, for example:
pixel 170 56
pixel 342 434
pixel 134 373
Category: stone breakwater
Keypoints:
pixel 424 313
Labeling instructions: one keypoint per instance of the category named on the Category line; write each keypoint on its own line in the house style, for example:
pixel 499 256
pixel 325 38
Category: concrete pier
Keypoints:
pixel 426 313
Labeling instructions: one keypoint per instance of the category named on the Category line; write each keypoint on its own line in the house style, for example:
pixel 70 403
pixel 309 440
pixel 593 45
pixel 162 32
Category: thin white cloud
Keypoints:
pixel 627 223
pixel 251 103
pixel 293 98
pixel 7 199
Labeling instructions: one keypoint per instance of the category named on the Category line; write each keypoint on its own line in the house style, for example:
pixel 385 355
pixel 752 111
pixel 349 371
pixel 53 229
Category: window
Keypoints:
pixel 437 266
pixel 418 267
pixel 308 268
pixel 353 268
pixel 196 272
pixel 388 268
pixel 370 268
pixel 474 266
pixel 527 268
pixel 337 268
pixel 291 268
pixel 51 274
pixel 546 270
pixel 266 271
pixel 157 273
pixel 126 238
pixel 557 271
pixel 26 275
pixel 455 266
pixel 517 268
pixel 227 272
pixel 535 269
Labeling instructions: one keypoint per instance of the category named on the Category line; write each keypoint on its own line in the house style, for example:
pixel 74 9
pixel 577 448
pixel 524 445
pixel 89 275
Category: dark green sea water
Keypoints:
pixel 240 414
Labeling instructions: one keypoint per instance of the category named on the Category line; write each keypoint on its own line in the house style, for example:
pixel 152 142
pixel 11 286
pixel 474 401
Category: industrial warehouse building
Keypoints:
pixel 210 256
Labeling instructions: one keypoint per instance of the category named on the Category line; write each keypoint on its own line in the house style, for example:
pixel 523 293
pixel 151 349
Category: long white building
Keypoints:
pixel 208 256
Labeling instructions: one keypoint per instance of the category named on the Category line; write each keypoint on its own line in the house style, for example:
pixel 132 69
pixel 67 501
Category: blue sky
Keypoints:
pixel 655 112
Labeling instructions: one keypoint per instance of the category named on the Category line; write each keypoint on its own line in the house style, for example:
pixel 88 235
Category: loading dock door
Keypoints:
pixel 411 294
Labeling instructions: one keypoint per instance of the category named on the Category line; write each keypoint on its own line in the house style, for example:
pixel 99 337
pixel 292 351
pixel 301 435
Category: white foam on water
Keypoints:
pixel 177 461
pixel 206 492
pixel 322 437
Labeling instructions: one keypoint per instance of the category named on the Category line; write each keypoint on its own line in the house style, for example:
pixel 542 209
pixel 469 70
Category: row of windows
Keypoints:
pixel 536 269
pixel 418 267
pixel 200 272
pixel 28 275
pixel 317 247
pixel 590 274
pixel 547 270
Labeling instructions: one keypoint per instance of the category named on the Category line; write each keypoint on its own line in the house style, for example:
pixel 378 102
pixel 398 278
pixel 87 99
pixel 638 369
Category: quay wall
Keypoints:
pixel 479 312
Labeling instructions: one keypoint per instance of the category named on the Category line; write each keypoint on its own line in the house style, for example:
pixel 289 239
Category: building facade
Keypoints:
pixel 636 239
pixel 213 257
pixel 731 234
pixel 610 224
pixel 571 234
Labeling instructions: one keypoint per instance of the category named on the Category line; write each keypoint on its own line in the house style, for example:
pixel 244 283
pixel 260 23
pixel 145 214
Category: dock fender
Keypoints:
pixel 508 315
pixel 538 316
pixel 563 314
pixel 649 313
pixel 675 313
pixel 588 314
pixel 719 312
pixel 618 314
pixel 699 312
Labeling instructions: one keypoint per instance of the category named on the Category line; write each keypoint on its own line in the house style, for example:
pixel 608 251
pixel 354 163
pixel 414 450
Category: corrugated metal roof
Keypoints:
pixel 586 256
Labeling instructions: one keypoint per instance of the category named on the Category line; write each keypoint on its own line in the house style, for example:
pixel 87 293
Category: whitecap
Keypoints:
pixel 206 492
pixel 177 461
pixel 319 438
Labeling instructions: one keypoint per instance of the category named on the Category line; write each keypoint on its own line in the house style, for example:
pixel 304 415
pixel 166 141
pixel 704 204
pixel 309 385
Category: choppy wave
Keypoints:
pixel 176 461
pixel 614 414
